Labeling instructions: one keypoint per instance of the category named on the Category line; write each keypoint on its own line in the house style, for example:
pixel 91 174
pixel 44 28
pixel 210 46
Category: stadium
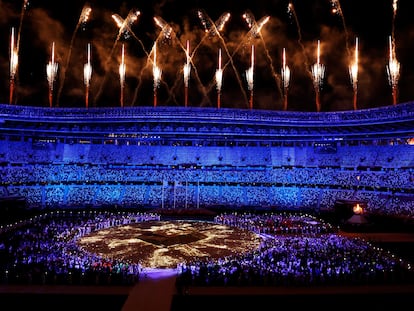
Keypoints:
pixel 153 185
pixel 200 163
pixel 205 157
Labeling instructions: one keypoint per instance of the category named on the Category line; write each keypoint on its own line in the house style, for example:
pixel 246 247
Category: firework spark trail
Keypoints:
pixel 24 7
pixel 122 70
pixel 87 74
pixel 214 29
pixel 250 78
pixel 337 9
pixel 83 18
pixel 149 63
pixel 393 71
pixel 393 68
pixel 230 60
pixel 255 32
pixel 124 26
pixel 353 73
pixel 166 35
pixel 186 73
pixel 219 79
pixel 51 71
pixel 394 9
pixel 292 12
pixel 318 73
pixel 160 23
pixel 209 30
pixel 14 59
pixel 15 52
pixel 285 73
pixel 156 71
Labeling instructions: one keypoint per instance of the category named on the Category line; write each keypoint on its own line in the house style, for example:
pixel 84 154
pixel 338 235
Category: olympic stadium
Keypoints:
pixel 146 165
pixel 206 157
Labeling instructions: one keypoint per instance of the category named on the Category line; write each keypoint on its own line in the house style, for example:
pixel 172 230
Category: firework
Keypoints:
pixel 125 25
pixel 255 27
pixel 13 64
pixel 87 74
pixel 318 74
pixel 51 71
pixel 156 71
pixel 393 71
pixel 285 73
pixel 24 8
pixel 122 70
pixel 249 78
pixel 83 18
pixel 394 14
pixel 337 9
pixel 211 28
pixel 166 30
pixel 187 71
pixel 353 73
pixel 254 33
pixel 125 30
pixel 393 68
pixel 219 79
pixel 292 13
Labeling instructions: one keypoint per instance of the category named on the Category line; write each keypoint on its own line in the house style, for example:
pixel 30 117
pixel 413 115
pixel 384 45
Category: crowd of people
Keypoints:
pixel 296 249
pixel 43 250
pixel 70 184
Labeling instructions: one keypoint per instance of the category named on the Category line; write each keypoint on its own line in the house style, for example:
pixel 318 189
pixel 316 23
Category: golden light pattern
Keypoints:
pixel 165 244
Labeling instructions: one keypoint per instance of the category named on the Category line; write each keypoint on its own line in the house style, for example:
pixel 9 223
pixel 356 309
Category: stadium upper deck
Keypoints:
pixel 181 123
pixel 178 156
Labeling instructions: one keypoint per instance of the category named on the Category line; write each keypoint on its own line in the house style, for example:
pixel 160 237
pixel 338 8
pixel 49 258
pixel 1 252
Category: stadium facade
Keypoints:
pixel 180 157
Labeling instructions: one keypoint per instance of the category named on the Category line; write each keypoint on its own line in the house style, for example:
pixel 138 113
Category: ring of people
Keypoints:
pixel 91 247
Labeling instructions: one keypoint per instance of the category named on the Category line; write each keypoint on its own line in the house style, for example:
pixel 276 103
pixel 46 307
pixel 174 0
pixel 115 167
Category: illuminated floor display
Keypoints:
pixel 164 244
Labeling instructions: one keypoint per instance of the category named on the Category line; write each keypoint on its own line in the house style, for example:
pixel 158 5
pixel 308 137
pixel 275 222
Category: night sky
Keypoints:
pixel 295 28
